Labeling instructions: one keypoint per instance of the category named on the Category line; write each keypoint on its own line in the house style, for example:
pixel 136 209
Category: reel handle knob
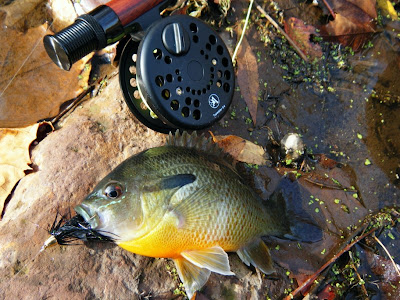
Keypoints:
pixel 176 39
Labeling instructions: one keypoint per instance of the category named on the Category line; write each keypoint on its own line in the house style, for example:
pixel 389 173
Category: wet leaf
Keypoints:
pixel 301 34
pixel 241 149
pixel 14 157
pixel 332 196
pixel 353 24
pixel 247 77
pixel 384 269
pixel 328 293
pixel 32 87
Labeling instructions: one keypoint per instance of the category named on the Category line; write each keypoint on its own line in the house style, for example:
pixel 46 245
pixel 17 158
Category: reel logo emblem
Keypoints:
pixel 213 100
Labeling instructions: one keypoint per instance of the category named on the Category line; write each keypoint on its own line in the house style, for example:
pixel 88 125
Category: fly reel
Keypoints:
pixel 180 75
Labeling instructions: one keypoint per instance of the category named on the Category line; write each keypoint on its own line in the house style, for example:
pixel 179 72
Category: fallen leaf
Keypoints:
pixel 247 77
pixel 14 157
pixel 354 22
pixel 332 193
pixel 301 33
pixel 328 293
pixel 241 149
pixel 387 8
pixel 20 14
pixel 32 87
pixel 384 269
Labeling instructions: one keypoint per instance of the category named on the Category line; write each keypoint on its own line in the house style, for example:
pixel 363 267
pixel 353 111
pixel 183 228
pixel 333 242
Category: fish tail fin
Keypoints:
pixel 291 223
pixel 257 254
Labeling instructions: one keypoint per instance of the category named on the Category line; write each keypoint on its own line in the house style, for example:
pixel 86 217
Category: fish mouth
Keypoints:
pixel 89 217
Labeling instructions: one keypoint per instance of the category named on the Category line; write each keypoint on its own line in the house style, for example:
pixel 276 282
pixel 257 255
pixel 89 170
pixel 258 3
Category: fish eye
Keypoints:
pixel 113 191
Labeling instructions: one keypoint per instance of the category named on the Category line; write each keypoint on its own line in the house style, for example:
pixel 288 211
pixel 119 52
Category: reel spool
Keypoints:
pixel 179 76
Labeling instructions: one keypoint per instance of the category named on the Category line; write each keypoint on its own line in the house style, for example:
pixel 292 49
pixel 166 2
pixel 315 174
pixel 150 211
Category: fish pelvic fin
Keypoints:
pixel 257 254
pixel 195 266
pixel 214 259
pixel 192 277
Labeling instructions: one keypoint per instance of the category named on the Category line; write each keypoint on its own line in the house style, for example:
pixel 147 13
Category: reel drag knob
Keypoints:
pixel 184 75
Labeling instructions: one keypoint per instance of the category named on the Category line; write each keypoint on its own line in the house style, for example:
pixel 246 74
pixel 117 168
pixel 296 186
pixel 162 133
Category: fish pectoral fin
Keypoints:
pixel 257 254
pixel 173 182
pixel 196 208
pixel 214 259
pixel 192 277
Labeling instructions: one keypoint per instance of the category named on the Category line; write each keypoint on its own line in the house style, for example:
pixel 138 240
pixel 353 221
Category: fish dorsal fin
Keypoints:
pixel 257 254
pixel 214 259
pixel 192 277
pixel 200 143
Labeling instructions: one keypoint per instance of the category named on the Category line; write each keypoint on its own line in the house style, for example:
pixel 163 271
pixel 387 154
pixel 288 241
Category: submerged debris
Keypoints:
pixel 292 147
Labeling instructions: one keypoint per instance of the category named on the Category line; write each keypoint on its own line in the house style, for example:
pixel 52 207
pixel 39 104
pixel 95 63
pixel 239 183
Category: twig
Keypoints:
pixel 330 9
pixel 243 31
pixel 312 278
pixel 72 105
pixel 291 42
pixel 359 277
pixel 387 252
pixel 333 187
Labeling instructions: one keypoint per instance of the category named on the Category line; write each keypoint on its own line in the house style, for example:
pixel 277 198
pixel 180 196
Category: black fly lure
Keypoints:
pixel 75 229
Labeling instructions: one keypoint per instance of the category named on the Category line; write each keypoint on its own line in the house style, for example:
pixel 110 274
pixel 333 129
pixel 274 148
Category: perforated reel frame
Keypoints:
pixel 184 74
pixel 129 87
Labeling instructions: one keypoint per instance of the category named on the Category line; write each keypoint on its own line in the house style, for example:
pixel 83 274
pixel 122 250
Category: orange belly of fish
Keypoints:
pixel 169 242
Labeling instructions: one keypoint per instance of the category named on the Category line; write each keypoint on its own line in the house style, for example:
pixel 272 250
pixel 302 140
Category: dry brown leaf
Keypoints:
pixel 37 89
pixel 241 149
pixel 14 157
pixel 247 77
pixel 300 33
pixel 19 13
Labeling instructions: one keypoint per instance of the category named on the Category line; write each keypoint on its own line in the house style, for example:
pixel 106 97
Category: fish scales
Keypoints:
pixel 228 213
pixel 184 201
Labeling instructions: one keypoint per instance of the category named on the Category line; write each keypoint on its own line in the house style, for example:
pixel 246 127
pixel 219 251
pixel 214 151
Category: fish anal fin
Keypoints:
pixel 257 254
pixel 192 277
pixel 214 259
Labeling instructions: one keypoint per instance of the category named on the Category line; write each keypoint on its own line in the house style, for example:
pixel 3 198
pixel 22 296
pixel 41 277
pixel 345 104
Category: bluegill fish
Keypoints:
pixel 185 201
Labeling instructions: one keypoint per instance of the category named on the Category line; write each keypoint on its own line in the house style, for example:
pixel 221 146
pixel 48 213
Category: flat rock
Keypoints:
pixel 69 162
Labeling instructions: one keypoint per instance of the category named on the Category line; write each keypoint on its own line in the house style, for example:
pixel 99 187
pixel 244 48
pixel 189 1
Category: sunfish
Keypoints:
pixel 184 201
